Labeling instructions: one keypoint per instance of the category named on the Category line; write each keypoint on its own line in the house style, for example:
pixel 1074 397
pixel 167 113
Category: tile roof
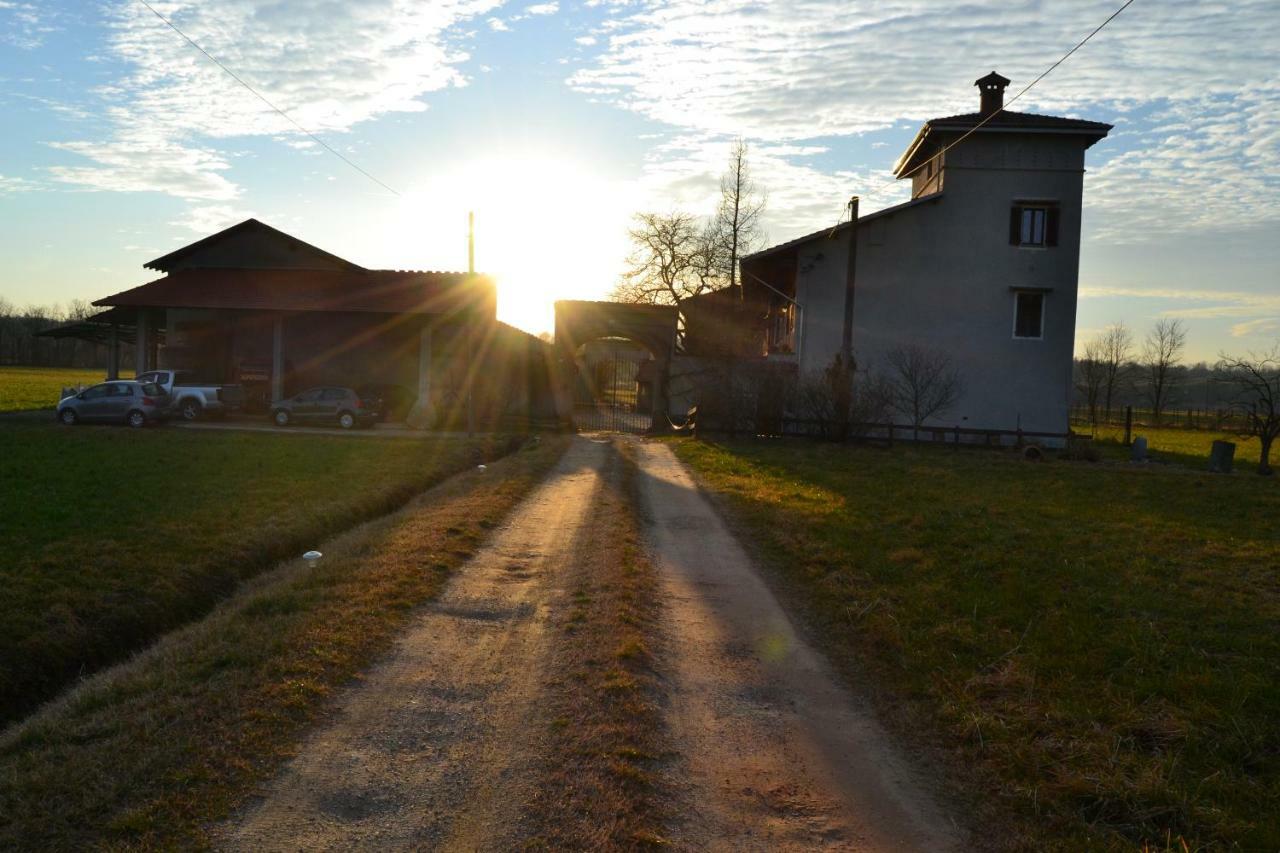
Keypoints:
pixel 1010 119
pixel 166 262
pixel 378 291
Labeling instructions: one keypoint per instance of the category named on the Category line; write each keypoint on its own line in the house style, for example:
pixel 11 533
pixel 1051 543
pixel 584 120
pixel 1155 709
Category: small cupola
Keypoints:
pixel 992 88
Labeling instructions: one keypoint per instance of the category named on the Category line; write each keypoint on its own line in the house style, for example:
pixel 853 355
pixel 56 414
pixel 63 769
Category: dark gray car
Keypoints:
pixel 122 402
pixel 328 405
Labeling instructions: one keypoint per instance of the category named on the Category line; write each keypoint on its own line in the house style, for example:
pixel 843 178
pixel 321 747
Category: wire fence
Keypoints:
pixel 1212 418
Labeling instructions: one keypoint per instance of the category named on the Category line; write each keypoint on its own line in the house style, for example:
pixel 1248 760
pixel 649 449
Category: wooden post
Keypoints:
pixel 277 359
pixel 851 269
pixel 113 353
pixel 471 368
pixel 424 372
pixel 142 344
pixel 1128 425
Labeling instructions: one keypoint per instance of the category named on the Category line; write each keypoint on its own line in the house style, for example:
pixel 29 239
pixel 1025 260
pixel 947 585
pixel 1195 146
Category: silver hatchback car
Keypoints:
pixel 122 402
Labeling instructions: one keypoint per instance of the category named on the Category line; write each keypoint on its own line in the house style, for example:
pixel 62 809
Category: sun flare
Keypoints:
pixel 546 229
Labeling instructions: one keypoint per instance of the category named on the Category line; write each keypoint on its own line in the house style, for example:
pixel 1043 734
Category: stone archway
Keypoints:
pixel 653 327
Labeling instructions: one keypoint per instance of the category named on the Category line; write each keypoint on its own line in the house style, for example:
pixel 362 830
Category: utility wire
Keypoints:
pixel 264 100
pixel 995 113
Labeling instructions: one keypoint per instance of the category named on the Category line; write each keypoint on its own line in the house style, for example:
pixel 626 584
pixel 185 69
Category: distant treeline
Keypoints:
pixel 1196 386
pixel 20 345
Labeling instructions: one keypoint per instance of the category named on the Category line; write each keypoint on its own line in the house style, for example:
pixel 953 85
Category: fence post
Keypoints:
pixel 1128 425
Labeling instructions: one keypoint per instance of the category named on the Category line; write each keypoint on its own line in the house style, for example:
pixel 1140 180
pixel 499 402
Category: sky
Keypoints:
pixel 557 121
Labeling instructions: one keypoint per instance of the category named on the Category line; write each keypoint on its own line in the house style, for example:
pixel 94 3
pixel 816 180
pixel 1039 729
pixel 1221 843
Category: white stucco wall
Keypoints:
pixel 940 274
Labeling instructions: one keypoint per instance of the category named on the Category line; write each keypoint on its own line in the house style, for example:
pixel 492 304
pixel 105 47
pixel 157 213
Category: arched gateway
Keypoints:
pixel 614 360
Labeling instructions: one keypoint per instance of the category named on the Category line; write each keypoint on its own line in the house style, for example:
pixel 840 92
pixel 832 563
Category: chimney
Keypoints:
pixel 992 88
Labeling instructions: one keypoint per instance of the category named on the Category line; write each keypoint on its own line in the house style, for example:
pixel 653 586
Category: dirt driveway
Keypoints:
pixel 439 746
pixel 432 749
pixel 774 753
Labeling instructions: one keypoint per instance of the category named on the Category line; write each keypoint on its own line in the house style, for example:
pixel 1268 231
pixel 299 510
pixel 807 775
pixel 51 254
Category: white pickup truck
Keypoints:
pixel 191 399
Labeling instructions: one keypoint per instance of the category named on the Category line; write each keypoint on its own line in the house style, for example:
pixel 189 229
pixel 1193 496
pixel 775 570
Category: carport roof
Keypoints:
pixel 374 291
pixel 97 329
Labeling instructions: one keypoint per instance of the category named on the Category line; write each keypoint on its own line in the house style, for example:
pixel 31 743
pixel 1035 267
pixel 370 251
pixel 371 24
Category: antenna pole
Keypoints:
pixel 471 242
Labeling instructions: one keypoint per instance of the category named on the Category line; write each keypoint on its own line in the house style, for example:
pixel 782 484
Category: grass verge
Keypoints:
pixel 27 388
pixel 601 788
pixel 1189 447
pixel 1094 646
pixel 148 754
pixel 112 537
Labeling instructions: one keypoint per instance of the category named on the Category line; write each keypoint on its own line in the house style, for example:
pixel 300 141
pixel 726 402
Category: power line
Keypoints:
pixel 994 113
pixel 264 100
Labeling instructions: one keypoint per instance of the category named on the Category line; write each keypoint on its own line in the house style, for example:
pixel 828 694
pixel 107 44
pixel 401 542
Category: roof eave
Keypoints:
pixel 844 226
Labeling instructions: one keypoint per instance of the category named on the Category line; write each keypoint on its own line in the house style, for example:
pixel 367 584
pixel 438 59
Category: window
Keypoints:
pixel 1028 314
pixel 308 396
pixel 119 389
pixel 97 392
pixel 334 394
pixel 1033 223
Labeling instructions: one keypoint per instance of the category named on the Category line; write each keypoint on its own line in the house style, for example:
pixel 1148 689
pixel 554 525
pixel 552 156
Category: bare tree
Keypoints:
pixel 1161 353
pixel 674 256
pixel 1256 378
pixel 1091 375
pixel 737 220
pixel 841 401
pixel 922 382
pixel 1116 345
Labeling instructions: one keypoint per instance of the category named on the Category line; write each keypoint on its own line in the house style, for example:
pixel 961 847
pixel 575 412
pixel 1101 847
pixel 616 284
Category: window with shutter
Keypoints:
pixel 1033 224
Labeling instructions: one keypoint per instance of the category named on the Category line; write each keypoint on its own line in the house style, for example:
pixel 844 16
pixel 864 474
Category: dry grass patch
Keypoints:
pixel 150 753
pixel 601 788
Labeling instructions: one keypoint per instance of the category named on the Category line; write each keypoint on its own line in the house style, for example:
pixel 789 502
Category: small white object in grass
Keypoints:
pixel 481 468
pixel 312 557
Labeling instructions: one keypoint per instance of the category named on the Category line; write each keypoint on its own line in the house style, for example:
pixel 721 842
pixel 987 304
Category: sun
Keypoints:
pixel 546 228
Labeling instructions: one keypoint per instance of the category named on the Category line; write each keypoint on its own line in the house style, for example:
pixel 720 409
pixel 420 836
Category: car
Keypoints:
pixel 119 401
pixel 391 402
pixel 193 398
pixel 325 405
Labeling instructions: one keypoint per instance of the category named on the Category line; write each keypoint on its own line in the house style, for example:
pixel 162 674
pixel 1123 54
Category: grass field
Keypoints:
pixel 23 388
pixel 1092 648
pixel 113 536
pixel 150 754
pixel 1185 446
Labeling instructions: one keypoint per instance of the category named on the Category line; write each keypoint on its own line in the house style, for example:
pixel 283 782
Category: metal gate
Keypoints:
pixel 610 395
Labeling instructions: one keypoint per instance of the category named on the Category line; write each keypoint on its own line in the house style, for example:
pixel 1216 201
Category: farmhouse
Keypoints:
pixel 254 306
pixel 979 266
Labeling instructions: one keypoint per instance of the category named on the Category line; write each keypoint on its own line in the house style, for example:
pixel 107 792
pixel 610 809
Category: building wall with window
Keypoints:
pixel 950 271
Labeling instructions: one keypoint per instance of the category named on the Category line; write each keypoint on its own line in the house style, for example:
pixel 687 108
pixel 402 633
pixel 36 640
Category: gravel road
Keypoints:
pixel 438 745
pixel 434 747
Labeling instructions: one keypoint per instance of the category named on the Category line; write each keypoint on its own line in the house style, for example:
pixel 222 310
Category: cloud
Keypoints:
pixel 685 173
pixel 209 219
pixel 23 27
pixel 142 163
pixel 1191 83
pixel 330 71
pixel 543 9
pixel 9 184
pixel 1262 308
pixel 1261 326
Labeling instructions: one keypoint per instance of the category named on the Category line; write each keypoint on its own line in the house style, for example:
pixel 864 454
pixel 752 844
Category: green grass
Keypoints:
pixel 1093 648
pixel 113 536
pixel 151 754
pixel 1185 446
pixel 23 388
